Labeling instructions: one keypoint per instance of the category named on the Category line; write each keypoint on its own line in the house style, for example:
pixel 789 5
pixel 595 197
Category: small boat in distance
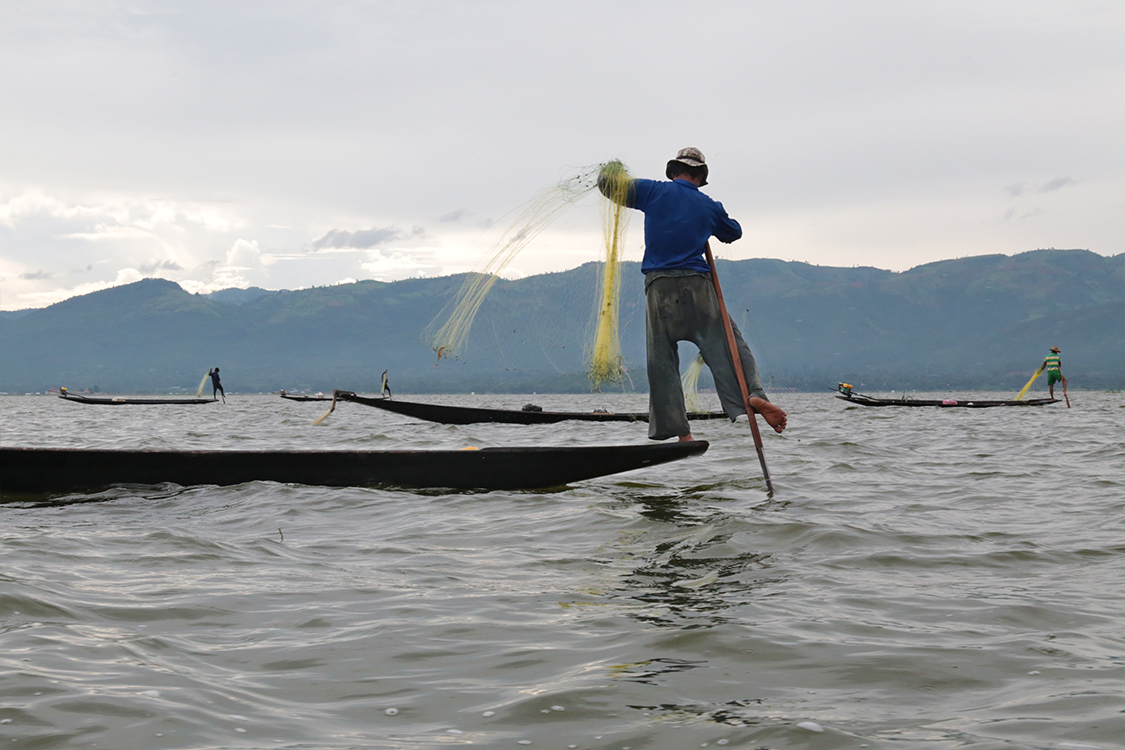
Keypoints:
pixel 530 414
pixel 122 400
pixel 304 396
pixel 845 393
pixel 60 470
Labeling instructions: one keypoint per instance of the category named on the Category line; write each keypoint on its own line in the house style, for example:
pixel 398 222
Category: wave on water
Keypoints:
pixel 923 578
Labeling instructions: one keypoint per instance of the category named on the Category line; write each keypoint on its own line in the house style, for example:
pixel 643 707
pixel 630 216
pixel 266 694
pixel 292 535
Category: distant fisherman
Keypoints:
pixel 216 385
pixel 1053 363
pixel 680 300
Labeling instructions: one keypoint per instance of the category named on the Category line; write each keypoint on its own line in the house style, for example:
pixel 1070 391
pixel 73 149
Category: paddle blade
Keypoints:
pixel 331 409
pixel 1023 391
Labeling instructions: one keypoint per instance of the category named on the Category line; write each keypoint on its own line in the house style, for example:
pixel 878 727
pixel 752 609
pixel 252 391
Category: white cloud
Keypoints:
pixel 56 245
pixel 106 233
pixel 392 264
pixel 244 255
pixel 242 267
pixel 359 239
pixel 110 212
pixel 43 299
pixel 1056 184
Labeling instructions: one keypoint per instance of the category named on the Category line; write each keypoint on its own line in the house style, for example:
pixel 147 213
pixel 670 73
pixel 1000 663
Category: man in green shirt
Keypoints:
pixel 1053 363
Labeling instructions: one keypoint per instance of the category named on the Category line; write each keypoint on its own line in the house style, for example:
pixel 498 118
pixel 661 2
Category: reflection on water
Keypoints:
pixel 650 671
pixel 687 568
pixel 683 590
pixel 736 713
pixel 111 494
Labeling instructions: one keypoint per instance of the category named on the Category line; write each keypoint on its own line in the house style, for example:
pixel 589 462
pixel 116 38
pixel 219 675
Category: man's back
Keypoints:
pixel 679 219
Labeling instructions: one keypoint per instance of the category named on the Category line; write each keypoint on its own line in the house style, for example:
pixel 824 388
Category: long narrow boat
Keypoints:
pixel 121 400
pixel 304 397
pixel 61 470
pixel 475 415
pixel 861 400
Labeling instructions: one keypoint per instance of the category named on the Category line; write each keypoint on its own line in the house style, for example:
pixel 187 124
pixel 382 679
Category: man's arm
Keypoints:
pixel 726 229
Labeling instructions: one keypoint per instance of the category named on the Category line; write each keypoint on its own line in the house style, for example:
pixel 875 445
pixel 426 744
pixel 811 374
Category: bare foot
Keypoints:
pixel 686 438
pixel 774 415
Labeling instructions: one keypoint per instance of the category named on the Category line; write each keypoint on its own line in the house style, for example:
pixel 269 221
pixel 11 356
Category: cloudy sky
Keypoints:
pixel 288 144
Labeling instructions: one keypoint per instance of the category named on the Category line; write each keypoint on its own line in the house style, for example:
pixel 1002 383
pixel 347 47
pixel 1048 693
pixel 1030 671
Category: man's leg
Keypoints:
pixel 711 337
pixel 715 349
pixel 667 414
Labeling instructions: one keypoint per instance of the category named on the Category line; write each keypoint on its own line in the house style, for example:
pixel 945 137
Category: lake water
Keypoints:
pixel 923 578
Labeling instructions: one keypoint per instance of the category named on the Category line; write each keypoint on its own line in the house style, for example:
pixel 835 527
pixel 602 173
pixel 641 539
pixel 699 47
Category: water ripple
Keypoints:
pixel 923 577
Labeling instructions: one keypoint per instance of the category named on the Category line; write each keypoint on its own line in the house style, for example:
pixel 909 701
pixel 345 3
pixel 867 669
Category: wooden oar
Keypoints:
pixel 751 413
pixel 331 409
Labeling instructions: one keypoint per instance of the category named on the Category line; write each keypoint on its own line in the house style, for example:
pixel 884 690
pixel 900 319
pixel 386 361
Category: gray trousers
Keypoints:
pixel 682 306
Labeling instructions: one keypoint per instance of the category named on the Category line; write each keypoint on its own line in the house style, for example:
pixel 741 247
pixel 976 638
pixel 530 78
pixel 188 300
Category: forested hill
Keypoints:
pixel 981 322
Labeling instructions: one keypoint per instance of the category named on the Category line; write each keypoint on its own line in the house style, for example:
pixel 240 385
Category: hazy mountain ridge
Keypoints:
pixel 978 322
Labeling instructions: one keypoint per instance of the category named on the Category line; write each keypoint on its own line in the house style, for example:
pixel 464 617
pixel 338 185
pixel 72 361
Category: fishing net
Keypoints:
pixel 448 340
pixel 199 393
pixel 690 382
pixel 605 360
pixel 606 364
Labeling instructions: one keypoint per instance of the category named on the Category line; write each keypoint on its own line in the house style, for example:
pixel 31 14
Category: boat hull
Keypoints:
pixel 870 401
pixel 120 401
pixel 473 415
pixel 59 470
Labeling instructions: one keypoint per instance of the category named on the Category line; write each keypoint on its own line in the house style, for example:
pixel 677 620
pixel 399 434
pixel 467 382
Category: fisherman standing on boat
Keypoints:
pixel 1053 363
pixel 681 304
pixel 216 386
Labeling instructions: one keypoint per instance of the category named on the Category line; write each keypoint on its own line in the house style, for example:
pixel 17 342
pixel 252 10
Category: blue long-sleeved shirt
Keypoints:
pixel 679 220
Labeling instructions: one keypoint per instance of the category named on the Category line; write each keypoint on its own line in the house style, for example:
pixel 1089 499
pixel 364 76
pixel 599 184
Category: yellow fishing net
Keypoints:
pixel 690 382
pixel 606 364
pixel 605 361
pixel 199 393
pixel 537 214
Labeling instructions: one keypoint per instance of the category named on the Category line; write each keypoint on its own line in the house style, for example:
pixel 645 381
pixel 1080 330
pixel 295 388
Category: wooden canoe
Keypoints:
pixel 122 400
pixel 60 470
pixel 862 400
pixel 304 397
pixel 475 415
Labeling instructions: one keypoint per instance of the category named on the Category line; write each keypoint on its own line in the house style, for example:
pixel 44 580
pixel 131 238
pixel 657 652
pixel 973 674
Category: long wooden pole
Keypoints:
pixel 751 413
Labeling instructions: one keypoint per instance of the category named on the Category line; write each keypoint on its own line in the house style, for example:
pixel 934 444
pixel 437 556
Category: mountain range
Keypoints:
pixel 982 322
